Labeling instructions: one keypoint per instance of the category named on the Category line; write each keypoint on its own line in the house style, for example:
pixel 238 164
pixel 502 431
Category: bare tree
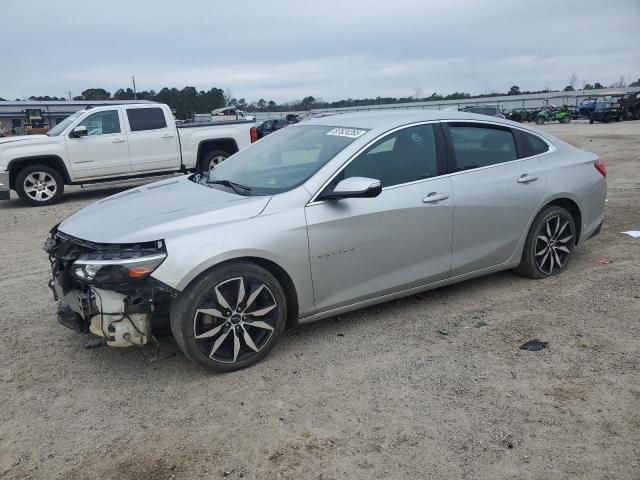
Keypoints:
pixel 618 84
pixel 573 81
pixel 419 94
pixel 228 95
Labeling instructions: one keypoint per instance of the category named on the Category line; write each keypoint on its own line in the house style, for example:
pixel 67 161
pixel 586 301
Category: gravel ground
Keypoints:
pixel 432 386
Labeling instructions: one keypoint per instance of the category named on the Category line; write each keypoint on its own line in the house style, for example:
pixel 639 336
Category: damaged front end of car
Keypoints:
pixel 107 290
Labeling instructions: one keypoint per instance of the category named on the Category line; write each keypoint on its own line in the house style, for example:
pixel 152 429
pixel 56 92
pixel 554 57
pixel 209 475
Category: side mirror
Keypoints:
pixel 79 132
pixel 356 187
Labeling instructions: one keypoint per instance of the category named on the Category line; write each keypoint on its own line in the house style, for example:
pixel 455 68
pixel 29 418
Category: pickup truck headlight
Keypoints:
pixel 116 267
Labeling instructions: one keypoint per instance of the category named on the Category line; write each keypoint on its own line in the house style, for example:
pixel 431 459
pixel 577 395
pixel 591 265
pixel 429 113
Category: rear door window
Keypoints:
pixel 480 145
pixel 146 119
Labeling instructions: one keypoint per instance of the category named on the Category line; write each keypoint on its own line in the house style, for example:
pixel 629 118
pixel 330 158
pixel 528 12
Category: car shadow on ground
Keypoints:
pixel 169 359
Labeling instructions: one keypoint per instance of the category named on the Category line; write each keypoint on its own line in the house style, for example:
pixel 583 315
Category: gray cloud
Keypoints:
pixel 284 50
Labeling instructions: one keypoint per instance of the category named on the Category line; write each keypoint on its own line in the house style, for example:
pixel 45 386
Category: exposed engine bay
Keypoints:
pixel 105 289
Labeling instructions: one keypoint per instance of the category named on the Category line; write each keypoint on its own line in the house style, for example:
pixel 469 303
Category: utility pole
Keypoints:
pixel 135 94
pixel 69 95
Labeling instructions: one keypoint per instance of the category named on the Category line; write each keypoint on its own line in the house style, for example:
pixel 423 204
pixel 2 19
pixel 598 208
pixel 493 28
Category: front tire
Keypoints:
pixel 230 317
pixel 39 185
pixel 549 245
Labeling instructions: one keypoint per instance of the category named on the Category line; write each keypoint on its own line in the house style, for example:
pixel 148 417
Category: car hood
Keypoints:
pixel 158 211
pixel 23 139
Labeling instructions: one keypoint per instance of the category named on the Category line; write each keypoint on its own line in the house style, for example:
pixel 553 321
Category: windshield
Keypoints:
pixel 283 160
pixel 60 127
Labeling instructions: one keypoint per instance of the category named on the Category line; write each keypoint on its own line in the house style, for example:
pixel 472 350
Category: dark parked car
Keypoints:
pixel 270 126
pixel 491 110
pixel 293 118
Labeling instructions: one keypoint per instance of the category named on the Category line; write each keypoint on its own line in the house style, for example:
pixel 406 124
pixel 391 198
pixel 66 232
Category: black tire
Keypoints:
pixel 39 185
pixel 530 264
pixel 213 158
pixel 539 120
pixel 188 316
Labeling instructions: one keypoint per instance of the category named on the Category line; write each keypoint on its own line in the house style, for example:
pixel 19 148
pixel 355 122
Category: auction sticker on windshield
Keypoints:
pixel 346 132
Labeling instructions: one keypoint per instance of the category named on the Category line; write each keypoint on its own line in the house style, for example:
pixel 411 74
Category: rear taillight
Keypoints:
pixel 254 134
pixel 600 167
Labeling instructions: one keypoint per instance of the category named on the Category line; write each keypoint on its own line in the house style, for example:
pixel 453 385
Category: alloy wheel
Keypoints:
pixel 40 186
pixel 236 320
pixel 213 161
pixel 553 244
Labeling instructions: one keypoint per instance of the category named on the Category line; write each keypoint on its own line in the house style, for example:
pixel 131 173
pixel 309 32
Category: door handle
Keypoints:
pixel 167 135
pixel 527 178
pixel 435 197
pixel 118 140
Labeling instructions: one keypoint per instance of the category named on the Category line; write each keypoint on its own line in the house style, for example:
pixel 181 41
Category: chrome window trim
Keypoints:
pixel 314 200
pixel 552 147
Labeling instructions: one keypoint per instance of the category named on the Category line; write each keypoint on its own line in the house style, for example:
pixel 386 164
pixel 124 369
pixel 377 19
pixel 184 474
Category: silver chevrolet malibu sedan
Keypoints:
pixel 323 217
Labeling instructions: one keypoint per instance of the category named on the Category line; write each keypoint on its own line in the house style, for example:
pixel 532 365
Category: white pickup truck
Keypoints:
pixel 113 143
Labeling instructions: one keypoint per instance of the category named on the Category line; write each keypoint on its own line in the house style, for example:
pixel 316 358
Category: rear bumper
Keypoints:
pixel 4 186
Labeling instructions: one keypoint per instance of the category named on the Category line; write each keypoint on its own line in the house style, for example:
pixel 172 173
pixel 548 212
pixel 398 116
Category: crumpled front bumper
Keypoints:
pixel 121 313
pixel 4 185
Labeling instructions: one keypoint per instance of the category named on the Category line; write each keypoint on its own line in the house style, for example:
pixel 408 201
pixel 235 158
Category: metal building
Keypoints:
pixel 14 114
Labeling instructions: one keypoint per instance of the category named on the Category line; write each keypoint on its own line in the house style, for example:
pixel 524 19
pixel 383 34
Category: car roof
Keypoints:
pixel 388 119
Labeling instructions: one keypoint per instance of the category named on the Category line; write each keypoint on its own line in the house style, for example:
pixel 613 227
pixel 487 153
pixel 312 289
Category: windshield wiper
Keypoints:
pixel 237 187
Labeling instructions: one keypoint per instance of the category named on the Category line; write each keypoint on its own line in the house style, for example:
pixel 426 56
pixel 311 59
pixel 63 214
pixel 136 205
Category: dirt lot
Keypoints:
pixel 432 386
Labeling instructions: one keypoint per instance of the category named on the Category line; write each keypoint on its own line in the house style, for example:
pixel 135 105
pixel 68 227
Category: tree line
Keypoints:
pixel 189 100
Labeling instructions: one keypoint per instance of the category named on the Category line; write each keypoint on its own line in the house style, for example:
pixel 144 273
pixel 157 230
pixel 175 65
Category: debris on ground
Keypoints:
pixel 534 345
pixel 94 342
pixel 602 261
pixel 481 323
pixel 632 233
pixel 443 332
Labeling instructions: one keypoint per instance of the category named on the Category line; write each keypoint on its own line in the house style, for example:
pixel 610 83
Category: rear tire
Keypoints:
pixel 230 317
pixel 39 185
pixel 549 244
pixel 213 158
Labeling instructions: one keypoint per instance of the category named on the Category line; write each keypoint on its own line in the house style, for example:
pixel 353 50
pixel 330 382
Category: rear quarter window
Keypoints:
pixel 535 144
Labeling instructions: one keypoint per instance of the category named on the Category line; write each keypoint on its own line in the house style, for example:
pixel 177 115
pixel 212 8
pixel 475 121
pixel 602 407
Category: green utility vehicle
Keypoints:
pixel 551 114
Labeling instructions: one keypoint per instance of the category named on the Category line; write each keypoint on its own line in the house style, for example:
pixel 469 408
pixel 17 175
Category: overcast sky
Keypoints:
pixel 287 49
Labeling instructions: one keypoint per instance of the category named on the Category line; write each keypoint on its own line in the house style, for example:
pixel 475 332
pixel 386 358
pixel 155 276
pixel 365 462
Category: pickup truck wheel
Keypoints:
pixel 212 159
pixel 39 185
pixel 230 317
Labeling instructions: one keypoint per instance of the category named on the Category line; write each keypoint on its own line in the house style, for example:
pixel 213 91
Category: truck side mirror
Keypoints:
pixel 79 132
